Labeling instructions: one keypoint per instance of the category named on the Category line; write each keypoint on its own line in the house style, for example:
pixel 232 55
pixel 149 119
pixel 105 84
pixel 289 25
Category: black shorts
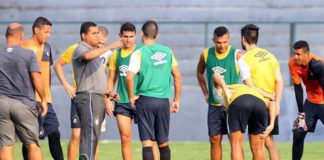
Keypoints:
pixel 247 110
pixel 217 120
pixel 49 123
pixel 313 112
pixel 124 109
pixel 153 116
pixel 74 117
pixel 275 130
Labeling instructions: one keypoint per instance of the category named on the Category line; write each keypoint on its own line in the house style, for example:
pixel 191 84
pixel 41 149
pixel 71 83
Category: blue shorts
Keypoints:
pixel 49 123
pixel 124 109
pixel 153 116
pixel 216 120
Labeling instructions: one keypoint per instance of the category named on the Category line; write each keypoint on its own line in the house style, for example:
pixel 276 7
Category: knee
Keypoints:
pixel 55 135
pixel 32 147
pixel 299 135
pixel 255 148
pixel 125 137
pixel 215 139
pixel 75 136
pixel 163 145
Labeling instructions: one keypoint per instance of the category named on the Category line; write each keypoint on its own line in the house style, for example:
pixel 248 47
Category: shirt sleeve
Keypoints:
pixel 174 61
pixel 33 64
pixel 66 55
pixel 113 61
pixel 135 62
pixel 244 69
pixel 293 72
pixel 79 51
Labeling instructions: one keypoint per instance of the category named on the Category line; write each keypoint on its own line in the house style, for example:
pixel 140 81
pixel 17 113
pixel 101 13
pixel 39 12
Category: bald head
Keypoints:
pixel 14 30
pixel 103 30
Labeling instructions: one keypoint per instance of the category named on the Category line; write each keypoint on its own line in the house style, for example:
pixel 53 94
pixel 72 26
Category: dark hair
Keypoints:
pixel 14 29
pixel 301 44
pixel 85 27
pixel 39 22
pixel 251 33
pixel 220 31
pixel 150 29
pixel 127 26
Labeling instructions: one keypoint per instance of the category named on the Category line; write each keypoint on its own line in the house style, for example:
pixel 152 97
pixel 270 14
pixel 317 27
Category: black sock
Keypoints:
pixel 148 153
pixel 54 144
pixel 298 144
pixel 165 153
pixel 24 152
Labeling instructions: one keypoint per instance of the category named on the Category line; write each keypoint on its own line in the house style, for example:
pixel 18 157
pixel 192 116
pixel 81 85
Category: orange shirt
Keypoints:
pixel 44 58
pixel 313 88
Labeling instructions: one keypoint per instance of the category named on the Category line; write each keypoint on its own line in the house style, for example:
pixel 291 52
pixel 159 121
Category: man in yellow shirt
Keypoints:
pixel 66 58
pixel 246 107
pixel 260 70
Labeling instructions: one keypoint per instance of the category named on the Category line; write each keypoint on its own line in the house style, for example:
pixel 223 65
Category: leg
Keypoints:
pixel 6 152
pixel 54 144
pixel 24 152
pixel 147 151
pixel 236 140
pixel 257 146
pixel 73 146
pixel 125 131
pixel 272 148
pixel 216 147
pixel 298 144
pixel 165 153
pixel 34 152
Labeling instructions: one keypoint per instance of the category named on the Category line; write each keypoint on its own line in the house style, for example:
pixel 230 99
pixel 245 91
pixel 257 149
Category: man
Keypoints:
pixel 91 87
pixel 66 58
pixel 154 64
pixel 49 125
pixel 118 67
pixel 220 59
pixel 246 107
pixel 261 71
pixel 19 76
pixel 307 68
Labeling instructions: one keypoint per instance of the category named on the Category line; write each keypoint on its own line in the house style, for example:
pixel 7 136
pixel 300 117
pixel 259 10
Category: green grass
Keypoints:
pixel 110 150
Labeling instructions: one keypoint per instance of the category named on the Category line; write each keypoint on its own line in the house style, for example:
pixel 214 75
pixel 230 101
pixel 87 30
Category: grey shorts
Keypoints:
pixel 17 120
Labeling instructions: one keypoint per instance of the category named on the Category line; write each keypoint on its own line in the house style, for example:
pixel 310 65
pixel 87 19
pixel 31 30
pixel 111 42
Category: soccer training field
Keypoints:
pixel 110 150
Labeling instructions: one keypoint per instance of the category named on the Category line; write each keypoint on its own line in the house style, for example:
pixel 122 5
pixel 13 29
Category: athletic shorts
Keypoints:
pixel 74 117
pixel 275 130
pixel 17 120
pixel 90 108
pixel 247 110
pixel 124 109
pixel 313 112
pixel 217 120
pixel 153 116
pixel 49 123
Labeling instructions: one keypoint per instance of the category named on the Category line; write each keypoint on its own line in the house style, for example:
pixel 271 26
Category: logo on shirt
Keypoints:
pixel 123 70
pixel 159 58
pixel 9 50
pixel 219 70
pixel 47 53
pixel 261 54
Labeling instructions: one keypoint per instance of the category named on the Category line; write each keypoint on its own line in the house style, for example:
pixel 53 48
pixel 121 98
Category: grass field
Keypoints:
pixel 110 150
